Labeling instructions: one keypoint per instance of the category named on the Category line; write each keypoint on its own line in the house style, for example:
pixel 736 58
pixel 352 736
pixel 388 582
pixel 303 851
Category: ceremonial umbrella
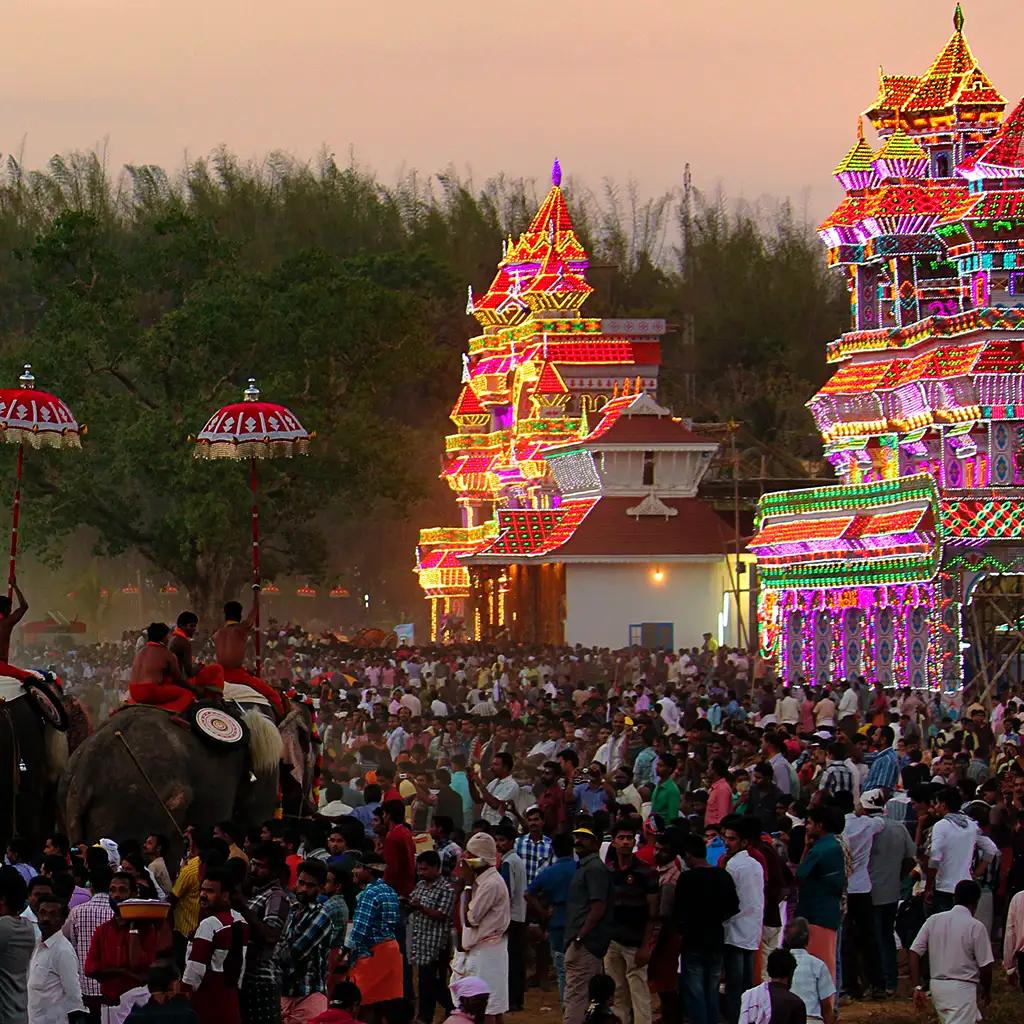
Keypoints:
pixel 35 418
pixel 252 429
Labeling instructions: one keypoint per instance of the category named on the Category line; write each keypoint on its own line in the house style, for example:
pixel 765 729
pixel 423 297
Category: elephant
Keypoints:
pixel 145 771
pixel 32 757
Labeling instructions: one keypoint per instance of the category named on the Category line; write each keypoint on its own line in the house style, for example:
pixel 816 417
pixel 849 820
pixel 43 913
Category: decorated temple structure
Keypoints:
pixel 923 417
pixel 576 490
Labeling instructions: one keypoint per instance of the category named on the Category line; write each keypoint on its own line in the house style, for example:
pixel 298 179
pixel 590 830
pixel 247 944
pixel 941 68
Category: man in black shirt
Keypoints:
pixel 705 899
pixel 588 920
pixel 635 924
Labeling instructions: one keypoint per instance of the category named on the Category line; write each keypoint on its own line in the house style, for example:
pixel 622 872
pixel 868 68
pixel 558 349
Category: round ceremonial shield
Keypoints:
pixel 210 722
pixel 45 698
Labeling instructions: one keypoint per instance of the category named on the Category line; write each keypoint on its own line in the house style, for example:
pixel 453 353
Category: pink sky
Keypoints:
pixel 759 95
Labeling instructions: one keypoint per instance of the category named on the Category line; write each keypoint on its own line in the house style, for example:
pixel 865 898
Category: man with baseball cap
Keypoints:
pixel 588 923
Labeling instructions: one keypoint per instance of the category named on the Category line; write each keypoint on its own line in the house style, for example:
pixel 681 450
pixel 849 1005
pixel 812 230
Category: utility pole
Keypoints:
pixel 688 325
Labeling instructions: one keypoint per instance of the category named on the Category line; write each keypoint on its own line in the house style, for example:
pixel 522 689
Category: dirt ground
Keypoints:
pixel 1007 1008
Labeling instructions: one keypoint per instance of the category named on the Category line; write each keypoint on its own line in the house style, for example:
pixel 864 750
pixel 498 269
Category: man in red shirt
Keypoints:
pixel 398 848
pixel 121 952
pixel 720 793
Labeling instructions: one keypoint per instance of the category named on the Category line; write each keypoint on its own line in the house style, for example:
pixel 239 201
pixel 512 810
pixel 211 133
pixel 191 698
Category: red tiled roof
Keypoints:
pixel 467 464
pixel 550 382
pixel 440 559
pixel 468 404
pixel 900 199
pixel 1003 205
pixel 634 430
pixel 557 277
pixel 530 531
pixel 1006 148
pixel 895 90
pixel 609 530
pixel 1001 356
pixel 954 77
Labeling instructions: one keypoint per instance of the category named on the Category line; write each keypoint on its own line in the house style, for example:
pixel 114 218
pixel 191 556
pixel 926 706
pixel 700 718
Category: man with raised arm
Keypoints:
pixel 229 642
pixel 9 619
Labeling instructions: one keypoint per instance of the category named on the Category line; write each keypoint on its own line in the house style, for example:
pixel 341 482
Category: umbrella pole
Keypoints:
pixel 255 566
pixel 15 521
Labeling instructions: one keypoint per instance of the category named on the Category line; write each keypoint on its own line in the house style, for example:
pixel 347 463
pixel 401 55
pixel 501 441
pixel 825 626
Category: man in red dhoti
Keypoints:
pixel 229 642
pixel 157 678
pixel 207 679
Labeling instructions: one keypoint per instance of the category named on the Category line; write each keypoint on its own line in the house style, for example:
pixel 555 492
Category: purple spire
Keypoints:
pixel 556 173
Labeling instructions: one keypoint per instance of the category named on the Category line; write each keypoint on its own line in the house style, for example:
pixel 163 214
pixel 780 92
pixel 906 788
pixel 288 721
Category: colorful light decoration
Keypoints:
pixel 869 574
pixel 306 591
pixel 528 383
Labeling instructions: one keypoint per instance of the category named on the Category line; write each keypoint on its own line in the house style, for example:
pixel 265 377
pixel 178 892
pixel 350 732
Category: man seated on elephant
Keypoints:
pixel 229 642
pixel 157 678
pixel 207 679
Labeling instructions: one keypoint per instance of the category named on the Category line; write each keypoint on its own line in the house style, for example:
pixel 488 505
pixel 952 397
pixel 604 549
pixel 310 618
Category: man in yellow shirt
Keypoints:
pixel 184 897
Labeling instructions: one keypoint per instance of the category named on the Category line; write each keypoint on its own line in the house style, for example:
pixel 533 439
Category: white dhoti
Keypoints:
pixel 488 962
pixel 956 1002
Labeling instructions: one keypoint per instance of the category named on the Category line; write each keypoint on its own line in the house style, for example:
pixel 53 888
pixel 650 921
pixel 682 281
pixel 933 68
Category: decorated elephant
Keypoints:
pixel 146 771
pixel 33 754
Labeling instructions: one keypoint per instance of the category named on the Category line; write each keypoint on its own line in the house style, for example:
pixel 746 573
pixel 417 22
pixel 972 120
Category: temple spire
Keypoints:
pixel 556 173
pixel 958 19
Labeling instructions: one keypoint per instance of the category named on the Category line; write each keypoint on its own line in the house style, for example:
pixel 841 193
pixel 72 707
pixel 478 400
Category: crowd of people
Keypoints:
pixel 648 834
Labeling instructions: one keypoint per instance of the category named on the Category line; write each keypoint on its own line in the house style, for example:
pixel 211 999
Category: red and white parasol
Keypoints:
pixel 38 419
pixel 252 429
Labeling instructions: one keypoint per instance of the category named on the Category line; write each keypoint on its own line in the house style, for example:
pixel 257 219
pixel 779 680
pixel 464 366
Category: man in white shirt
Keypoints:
pixel 788 710
pixel 54 990
pixel 743 929
pixel 849 709
pixel 811 979
pixel 861 963
pixel 960 959
pixel 954 842
pixel 502 790
pixel 612 752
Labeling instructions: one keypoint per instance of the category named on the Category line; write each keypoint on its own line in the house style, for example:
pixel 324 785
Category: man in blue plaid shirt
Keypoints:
pixel 375 960
pixel 305 943
pixel 534 848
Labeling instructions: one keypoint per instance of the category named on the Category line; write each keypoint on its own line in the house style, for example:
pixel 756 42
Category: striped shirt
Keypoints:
pixel 79 929
pixel 884 772
pixel 216 937
pixel 186 895
pixel 837 778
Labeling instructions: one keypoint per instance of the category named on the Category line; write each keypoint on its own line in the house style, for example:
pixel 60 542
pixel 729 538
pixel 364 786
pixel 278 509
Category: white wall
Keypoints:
pixel 603 601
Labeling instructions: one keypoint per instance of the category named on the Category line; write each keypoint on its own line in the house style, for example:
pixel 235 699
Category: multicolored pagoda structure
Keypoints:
pixel 580 520
pixel 923 419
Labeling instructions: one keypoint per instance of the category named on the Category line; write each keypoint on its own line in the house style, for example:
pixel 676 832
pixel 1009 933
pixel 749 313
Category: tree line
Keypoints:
pixel 145 299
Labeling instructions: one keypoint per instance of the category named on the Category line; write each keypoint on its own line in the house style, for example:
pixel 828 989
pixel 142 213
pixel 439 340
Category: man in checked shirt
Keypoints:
pixel 266 914
pixel 430 909
pixel 80 927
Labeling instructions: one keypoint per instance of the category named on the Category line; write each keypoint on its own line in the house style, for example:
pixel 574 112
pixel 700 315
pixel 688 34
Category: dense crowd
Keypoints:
pixel 653 834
